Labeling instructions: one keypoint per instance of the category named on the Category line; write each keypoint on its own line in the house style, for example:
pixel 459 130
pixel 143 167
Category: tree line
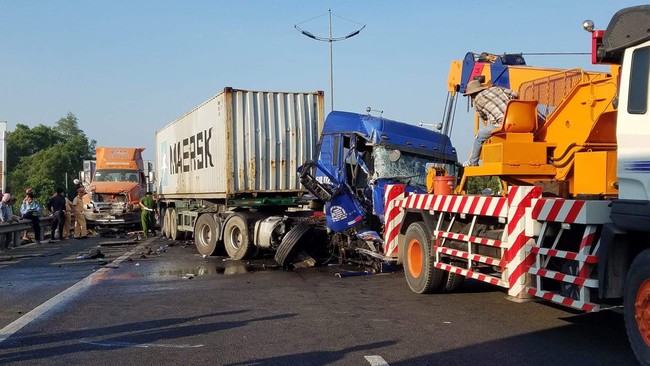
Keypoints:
pixel 44 158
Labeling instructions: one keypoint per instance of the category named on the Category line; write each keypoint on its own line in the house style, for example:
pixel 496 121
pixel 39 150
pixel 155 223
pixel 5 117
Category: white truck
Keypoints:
pixel 227 170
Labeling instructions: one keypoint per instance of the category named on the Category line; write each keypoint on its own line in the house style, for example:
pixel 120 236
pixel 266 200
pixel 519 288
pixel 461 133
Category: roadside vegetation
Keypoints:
pixel 44 158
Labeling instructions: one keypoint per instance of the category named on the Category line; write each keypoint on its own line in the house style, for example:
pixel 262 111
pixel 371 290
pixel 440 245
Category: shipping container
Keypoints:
pixel 239 142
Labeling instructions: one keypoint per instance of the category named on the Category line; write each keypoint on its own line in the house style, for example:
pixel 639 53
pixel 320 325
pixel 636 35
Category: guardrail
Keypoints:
pixel 11 233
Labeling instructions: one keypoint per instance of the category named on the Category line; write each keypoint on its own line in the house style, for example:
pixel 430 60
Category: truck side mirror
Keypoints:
pixel 152 176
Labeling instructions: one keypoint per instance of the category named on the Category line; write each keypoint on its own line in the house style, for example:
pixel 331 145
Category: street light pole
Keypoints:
pixel 330 39
pixel 331 64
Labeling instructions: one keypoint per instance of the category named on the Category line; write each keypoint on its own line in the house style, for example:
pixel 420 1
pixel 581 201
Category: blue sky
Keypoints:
pixel 126 68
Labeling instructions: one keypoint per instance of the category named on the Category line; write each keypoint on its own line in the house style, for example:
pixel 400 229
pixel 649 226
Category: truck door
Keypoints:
pixel 633 125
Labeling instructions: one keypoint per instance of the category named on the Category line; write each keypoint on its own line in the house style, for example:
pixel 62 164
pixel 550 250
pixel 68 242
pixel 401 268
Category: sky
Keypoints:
pixel 126 68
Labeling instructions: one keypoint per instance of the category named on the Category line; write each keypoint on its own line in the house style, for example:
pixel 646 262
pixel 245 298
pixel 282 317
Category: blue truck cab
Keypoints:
pixel 358 155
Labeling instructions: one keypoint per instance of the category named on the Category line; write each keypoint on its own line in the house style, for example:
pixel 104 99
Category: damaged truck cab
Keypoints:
pixel 118 183
pixel 359 155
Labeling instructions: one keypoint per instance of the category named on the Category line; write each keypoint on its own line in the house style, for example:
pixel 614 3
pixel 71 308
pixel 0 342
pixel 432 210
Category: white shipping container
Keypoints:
pixel 239 142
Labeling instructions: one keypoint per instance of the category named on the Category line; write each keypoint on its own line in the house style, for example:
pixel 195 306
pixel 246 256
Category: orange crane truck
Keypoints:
pixel 572 223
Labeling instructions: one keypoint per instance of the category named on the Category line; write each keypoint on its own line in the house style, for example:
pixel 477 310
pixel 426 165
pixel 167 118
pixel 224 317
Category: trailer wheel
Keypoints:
pixel 206 234
pixel 421 274
pixel 166 223
pixel 236 237
pixel 174 234
pixel 290 243
pixel 637 306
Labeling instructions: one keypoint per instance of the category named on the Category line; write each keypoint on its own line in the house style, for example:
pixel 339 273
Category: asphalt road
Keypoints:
pixel 160 303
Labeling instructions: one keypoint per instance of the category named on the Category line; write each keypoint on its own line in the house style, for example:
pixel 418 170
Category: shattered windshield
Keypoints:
pixel 405 166
pixel 116 175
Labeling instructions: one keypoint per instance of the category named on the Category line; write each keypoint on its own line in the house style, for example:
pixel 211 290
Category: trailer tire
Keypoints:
pixel 166 223
pixel 419 262
pixel 637 306
pixel 206 234
pixel 291 243
pixel 174 234
pixel 236 237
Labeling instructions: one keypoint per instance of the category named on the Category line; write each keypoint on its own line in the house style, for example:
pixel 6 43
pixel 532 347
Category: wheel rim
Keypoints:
pixel 235 237
pixel 205 235
pixel 415 257
pixel 642 311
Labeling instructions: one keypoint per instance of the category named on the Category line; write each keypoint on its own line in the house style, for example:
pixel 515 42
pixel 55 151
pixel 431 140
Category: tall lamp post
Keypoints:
pixel 330 39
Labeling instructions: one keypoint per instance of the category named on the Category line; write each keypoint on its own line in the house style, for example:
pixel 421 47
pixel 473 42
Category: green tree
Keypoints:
pixel 43 157
pixel 477 185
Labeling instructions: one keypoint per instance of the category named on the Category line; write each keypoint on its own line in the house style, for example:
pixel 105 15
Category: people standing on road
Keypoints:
pixel 80 230
pixel 68 217
pixel 31 210
pixel 56 205
pixel 490 103
pixel 148 219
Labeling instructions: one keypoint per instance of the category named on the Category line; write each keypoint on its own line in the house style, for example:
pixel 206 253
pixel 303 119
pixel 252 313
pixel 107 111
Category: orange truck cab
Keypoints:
pixel 113 194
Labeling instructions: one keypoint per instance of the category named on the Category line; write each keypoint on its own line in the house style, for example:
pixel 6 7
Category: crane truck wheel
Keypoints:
pixel 206 234
pixel 453 281
pixel 637 306
pixel 236 237
pixel 174 234
pixel 290 243
pixel 421 274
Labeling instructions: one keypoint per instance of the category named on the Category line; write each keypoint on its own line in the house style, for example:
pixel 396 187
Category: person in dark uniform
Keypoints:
pixel 56 205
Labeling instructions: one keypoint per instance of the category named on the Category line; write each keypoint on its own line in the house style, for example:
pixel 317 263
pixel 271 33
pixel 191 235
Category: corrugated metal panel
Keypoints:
pixel 273 133
pixel 256 140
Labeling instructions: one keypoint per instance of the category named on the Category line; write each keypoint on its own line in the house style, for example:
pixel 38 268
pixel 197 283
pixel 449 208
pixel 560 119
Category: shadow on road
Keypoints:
pixel 137 334
pixel 314 358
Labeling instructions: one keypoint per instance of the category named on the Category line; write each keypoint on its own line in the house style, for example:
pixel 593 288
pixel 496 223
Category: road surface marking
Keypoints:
pixel 142 345
pixel 376 360
pixel 63 297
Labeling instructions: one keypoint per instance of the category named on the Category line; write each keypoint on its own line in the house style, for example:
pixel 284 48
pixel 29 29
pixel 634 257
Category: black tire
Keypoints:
pixel 174 233
pixel 206 234
pixel 421 274
pixel 568 289
pixel 236 237
pixel 637 303
pixel 291 243
pixel 453 281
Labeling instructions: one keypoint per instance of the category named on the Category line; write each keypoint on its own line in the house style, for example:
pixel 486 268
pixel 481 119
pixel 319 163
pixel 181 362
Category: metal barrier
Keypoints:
pixel 9 238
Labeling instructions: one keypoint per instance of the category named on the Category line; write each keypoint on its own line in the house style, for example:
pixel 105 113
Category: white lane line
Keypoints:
pixel 376 360
pixel 142 345
pixel 62 297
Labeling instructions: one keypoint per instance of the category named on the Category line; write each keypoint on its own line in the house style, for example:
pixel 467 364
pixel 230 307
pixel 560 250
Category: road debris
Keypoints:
pixel 353 273
pixel 94 253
